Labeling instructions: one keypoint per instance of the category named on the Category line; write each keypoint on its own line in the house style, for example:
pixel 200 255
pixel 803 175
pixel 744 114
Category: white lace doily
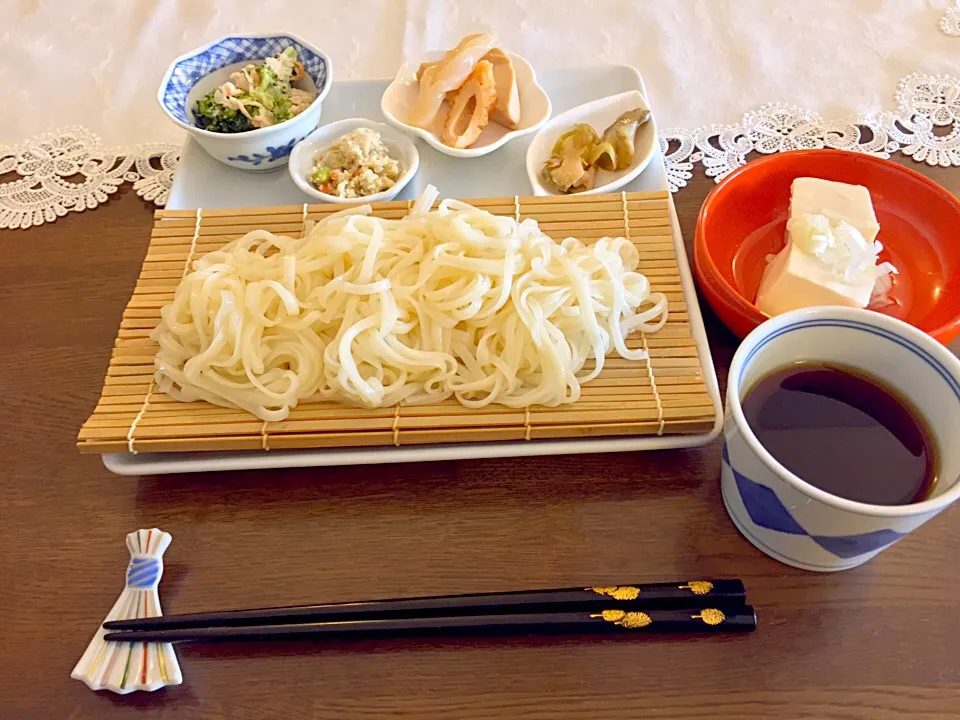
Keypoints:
pixel 925 126
pixel 950 22
pixel 68 170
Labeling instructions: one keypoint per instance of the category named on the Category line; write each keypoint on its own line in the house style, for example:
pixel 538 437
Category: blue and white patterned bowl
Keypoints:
pixel 794 521
pixel 194 74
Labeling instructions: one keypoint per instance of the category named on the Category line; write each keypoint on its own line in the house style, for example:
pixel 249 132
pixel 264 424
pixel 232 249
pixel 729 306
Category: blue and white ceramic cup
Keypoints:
pixel 790 519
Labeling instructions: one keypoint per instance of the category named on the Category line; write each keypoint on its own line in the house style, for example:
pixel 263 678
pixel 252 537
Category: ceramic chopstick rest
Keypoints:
pixel 125 667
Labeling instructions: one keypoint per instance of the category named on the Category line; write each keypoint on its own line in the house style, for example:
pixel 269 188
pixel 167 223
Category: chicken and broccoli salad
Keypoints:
pixel 258 95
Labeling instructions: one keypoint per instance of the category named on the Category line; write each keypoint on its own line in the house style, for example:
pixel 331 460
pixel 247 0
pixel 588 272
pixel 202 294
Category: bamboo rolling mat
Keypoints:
pixel 665 395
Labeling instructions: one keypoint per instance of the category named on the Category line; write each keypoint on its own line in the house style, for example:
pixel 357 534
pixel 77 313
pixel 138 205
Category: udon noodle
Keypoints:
pixel 371 312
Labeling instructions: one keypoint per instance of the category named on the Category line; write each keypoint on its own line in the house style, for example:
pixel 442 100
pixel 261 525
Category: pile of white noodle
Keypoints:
pixel 370 312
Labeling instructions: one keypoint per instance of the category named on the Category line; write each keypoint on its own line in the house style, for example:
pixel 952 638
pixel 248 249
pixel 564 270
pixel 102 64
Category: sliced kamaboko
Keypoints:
pixel 471 107
pixel 449 73
pixel 507 110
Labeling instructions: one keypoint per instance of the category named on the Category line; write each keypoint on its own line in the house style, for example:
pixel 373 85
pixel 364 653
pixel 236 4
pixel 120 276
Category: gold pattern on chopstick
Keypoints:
pixel 711 616
pixel 624 619
pixel 698 587
pixel 617 592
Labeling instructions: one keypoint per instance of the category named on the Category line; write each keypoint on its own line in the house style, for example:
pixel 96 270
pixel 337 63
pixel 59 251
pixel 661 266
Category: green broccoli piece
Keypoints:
pixel 281 108
pixel 268 78
pixel 211 115
pixel 271 92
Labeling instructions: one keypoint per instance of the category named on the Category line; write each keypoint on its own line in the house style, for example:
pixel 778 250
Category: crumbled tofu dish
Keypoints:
pixel 355 166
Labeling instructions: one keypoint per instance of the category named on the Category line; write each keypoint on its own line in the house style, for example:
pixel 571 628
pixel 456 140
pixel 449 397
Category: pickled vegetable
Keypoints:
pixel 580 152
pixel 569 163
pixel 619 140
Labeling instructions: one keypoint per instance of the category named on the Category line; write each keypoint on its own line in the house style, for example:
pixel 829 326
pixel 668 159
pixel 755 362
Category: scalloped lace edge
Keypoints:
pixel 68 170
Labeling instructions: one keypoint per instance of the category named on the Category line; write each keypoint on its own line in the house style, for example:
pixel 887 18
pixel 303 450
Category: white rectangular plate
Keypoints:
pixel 203 182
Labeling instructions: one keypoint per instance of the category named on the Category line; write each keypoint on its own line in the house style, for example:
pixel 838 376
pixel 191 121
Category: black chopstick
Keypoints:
pixel 659 596
pixel 691 620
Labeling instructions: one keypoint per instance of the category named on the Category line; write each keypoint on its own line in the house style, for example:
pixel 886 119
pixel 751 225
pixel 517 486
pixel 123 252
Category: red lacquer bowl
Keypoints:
pixel 744 219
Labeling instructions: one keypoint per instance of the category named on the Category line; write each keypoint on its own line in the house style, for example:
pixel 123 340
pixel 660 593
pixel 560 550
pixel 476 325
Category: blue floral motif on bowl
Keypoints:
pixel 273 154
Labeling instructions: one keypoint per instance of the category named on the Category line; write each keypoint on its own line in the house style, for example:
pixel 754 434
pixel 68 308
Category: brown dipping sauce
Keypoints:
pixel 843 432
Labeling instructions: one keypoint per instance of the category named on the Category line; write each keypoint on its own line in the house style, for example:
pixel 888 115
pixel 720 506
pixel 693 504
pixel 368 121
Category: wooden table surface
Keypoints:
pixel 880 641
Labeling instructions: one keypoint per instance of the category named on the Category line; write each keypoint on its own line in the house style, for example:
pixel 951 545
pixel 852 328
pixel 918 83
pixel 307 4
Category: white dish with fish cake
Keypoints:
pixel 401 100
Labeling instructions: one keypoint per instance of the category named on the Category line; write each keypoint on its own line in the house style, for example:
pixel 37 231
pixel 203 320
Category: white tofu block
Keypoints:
pixel 838 201
pixel 794 279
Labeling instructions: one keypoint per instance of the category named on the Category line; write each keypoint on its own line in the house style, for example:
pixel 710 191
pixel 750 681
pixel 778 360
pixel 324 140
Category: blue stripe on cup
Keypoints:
pixel 920 352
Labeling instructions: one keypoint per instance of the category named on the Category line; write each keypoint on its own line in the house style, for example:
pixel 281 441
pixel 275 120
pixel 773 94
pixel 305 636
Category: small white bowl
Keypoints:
pixel 600 114
pixel 303 158
pixel 194 74
pixel 400 96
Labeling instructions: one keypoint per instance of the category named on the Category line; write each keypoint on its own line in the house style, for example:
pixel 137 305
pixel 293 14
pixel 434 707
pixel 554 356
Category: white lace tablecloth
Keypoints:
pixel 82 75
